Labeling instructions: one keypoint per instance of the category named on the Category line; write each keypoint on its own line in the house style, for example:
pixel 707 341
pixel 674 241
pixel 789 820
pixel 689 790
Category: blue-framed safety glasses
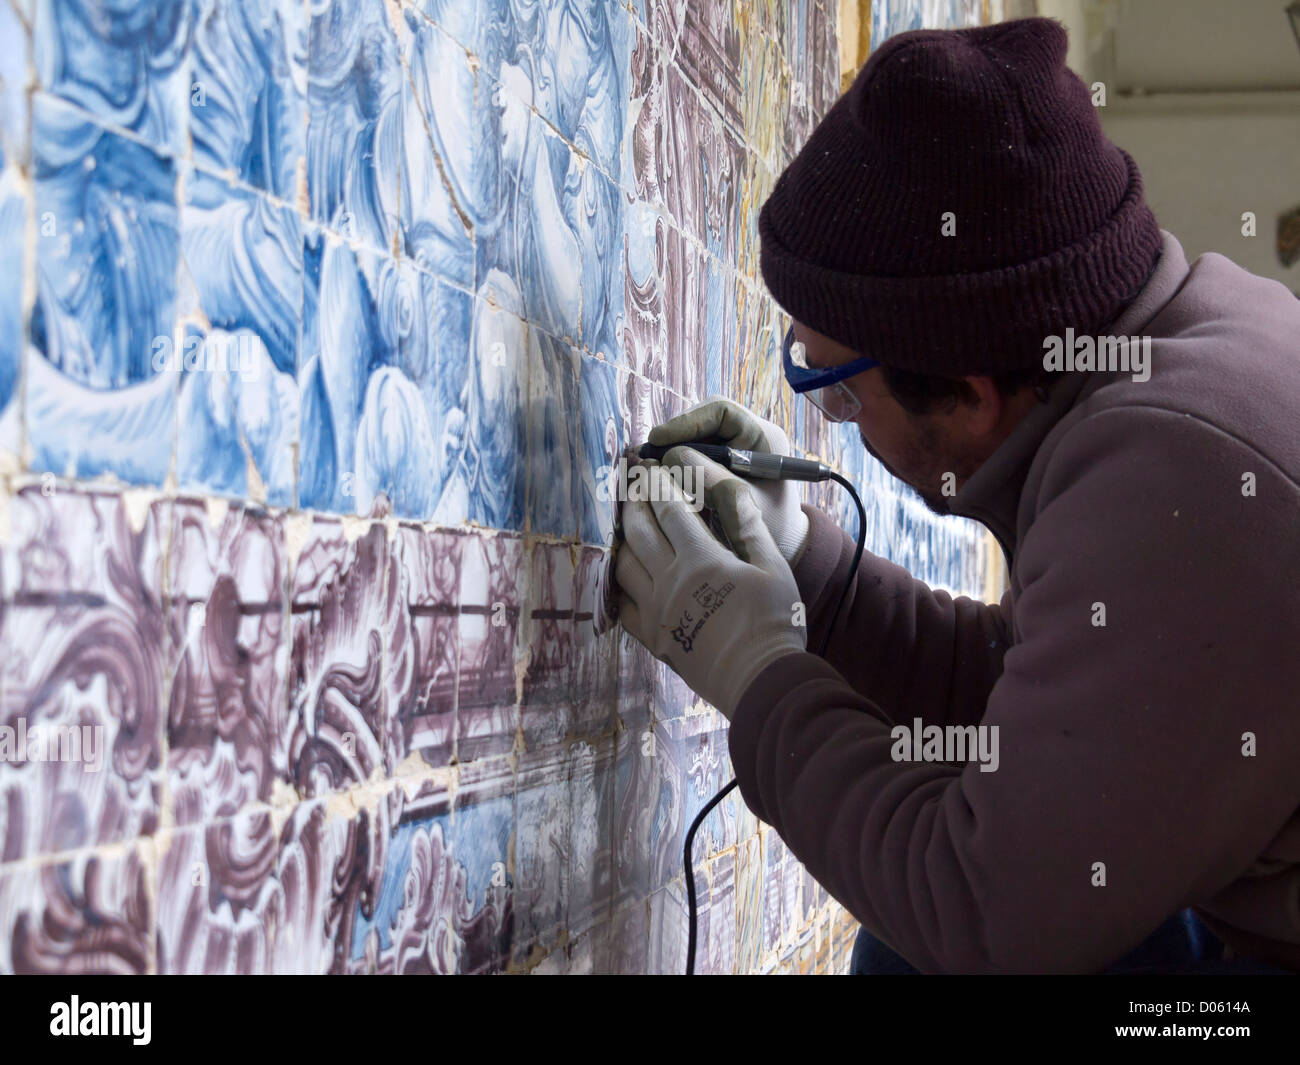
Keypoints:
pixel 825 389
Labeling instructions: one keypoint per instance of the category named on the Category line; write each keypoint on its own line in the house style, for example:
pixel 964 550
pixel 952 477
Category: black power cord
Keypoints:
pixel 826 639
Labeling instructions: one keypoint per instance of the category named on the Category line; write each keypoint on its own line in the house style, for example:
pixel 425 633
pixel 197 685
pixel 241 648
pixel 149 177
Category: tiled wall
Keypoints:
pixel 319 320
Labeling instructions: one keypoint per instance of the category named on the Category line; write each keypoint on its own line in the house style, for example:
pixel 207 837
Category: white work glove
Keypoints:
pixel 717 618
pixel 721 421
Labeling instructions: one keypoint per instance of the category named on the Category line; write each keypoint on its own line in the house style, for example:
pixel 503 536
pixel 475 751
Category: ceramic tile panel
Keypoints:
pixel 552 445
pixel 429 573
pixel 105 923
pixel 546 705
pixel 543 835
pixel 604 415
pixel 595 678
pixel 15 208
pixel 257 893
pixel 717 942
pixel 355 84
pixel 248 91
pixel 236 354
pixel 492 589
pixel 81 685
pixel 326 326
pixel 106 265
pixel 349 661
pixel 226 651
pixel 128 66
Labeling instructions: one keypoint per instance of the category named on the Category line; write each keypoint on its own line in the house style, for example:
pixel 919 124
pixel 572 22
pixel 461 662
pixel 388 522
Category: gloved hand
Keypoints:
pixel 719 420
pixel 717 618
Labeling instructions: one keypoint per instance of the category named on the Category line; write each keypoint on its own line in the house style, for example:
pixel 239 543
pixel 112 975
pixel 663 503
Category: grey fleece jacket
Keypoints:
pixel 1164 745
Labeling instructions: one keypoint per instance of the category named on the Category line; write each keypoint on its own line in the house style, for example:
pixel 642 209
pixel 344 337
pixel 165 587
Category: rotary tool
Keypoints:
pixel 759 464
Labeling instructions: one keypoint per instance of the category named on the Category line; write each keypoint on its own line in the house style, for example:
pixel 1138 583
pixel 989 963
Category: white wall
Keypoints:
pixel 1206 158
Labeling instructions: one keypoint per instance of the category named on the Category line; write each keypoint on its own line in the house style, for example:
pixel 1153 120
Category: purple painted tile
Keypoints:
pixel 721 308
pixel 429 574
pixel 637 669
pixel 773 883
pixel 226 646
pixel 639 163
pixel 238 896
pixel 543 835
pixel 595 654
pixel 792 908
pixel 717 944
pixel 723 158
pixel 709 52
pixel 81 674
pixel 679 147
pixel 685 282
pixel 667 951
pixel 577 957
pixel 490 601
pixel 636 796
pixel 90 915
pixel 622 948
pixel 545 709
pixel 591 796
pixel 750 909
pixel 348 623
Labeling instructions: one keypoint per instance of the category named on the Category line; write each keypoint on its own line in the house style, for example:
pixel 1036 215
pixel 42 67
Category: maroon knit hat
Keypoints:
pixel 989 124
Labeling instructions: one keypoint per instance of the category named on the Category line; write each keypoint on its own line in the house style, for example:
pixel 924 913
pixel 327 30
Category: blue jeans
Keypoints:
pixel 1181 945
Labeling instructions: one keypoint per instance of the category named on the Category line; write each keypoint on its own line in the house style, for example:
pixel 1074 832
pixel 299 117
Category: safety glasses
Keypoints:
pixel 825 389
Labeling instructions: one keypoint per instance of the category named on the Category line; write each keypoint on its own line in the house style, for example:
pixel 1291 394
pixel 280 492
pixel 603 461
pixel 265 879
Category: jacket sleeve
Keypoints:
pixel 1124 788
pixel 916 651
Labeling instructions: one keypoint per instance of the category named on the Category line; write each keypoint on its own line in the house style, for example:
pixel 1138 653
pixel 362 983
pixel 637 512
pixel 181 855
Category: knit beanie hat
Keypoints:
pixel 983 133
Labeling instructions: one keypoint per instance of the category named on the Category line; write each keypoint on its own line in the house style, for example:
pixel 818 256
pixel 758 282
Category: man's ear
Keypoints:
pixel 981 410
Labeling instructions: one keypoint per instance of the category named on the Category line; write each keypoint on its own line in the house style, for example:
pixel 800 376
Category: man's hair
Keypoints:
pixel 920 393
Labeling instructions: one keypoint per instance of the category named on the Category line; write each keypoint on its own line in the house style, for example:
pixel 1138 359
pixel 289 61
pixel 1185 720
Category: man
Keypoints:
pixel 953 228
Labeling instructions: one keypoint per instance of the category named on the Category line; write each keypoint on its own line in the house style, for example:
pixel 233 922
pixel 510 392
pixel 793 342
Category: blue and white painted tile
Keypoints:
pixel 536 243
pixel 601 447
pixel 248 91
pixel 543 830
pixel 485 434
pixel 553 446
pixel 397 434
pixel 367 382
pixel 15 206
pixel 354 130
pixel 127 64
pixel 241 281
pixel 107 247
pixel 643 339
pixel 450 174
